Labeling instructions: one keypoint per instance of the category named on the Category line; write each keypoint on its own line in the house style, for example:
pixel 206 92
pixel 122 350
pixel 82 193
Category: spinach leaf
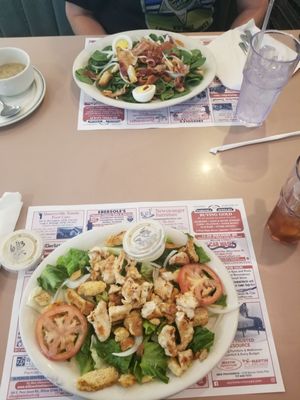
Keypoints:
pixel 99 58
pixel 186 57
pixel 197 59
pixel 82 76
pixel 167 94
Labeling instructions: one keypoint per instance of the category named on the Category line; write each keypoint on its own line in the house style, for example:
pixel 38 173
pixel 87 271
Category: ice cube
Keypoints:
pixel 269 52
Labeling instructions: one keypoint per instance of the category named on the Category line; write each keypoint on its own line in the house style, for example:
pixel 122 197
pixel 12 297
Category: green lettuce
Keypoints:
pixel 203 339
pixel 154 362
pixel 83 357
pixel 105 350
pixel 203 257
pixel 52 277
pixel 74 259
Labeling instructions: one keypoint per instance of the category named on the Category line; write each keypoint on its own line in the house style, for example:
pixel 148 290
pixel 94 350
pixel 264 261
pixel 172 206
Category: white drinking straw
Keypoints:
pixel 265 23
pixel 267 16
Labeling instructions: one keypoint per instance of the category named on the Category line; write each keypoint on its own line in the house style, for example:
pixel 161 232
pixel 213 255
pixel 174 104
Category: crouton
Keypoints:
pixel 91 288
pixel 127 343
pixel 105 78
pixel 202 354
pixel 127 380
pixel 76 275
pixel 200 317
pixel 174 367
pixel 42 298
pixel 98 379
pixel 121 334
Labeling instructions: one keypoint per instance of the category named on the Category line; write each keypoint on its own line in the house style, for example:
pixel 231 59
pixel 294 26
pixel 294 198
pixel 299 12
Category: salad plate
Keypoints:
pixel 188 52
pixel 65 374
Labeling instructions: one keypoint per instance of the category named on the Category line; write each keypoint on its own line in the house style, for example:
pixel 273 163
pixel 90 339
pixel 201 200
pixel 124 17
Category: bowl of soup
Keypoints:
pixel 16 71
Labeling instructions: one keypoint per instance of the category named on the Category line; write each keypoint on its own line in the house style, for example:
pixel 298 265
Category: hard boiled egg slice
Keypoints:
pixel 144 93
pixel 123 42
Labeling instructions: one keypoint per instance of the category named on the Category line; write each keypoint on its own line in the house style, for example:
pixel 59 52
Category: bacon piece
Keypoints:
pixel 142 47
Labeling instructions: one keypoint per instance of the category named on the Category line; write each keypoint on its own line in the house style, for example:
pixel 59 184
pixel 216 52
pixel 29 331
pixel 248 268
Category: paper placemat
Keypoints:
pixel 251 363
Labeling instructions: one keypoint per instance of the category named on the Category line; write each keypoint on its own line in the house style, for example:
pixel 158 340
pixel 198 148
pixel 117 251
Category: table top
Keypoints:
pixel 49 162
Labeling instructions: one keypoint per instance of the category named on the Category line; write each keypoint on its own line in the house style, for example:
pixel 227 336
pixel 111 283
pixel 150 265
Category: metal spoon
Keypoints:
pixel 7 110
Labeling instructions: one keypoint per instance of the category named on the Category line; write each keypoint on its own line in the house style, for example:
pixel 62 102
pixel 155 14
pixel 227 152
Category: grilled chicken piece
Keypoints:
pixel 167 340
pixel 185 329
pixel 118 313
pixel 187 303
pixel 100 320
pixel 83 305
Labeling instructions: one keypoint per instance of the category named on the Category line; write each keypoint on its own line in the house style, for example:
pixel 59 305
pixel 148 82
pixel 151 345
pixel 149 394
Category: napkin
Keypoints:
pixel 229 56
pixel 231 59
pixel 10 207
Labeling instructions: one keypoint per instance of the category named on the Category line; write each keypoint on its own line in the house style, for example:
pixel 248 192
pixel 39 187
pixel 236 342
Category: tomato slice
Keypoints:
pixel 60 331
pixel 202 281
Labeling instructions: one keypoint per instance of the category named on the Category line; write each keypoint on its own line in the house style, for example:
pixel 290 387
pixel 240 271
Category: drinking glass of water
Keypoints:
pixel 272 59
pixel 284 221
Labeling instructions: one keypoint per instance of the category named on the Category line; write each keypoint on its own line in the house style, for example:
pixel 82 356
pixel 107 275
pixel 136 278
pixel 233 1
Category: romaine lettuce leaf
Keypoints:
pixel 154 361
pixel 83 357
pixel 52 277
pixel 203 339
pixel 147 271
pixel 105 350
pixel 203 257
pixel 74 259
pixel 149 328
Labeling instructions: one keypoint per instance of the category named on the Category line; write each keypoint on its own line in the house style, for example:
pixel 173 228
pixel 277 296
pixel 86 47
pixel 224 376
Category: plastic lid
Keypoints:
pixel 21 250
pixel 145 241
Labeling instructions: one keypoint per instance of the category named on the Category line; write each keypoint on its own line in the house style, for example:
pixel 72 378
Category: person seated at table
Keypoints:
pixel 97 17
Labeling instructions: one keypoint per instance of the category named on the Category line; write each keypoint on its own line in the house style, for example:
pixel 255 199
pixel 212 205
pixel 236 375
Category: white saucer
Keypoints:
pixel 28 100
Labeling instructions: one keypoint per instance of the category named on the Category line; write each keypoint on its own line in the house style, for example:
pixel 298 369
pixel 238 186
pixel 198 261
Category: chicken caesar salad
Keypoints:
pixel 126 321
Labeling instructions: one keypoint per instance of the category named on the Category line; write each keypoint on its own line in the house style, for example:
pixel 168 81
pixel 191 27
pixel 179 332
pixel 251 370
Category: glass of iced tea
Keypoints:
pixel 284 221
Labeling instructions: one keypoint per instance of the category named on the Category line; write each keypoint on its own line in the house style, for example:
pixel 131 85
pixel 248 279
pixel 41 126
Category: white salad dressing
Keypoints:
pixel 145 241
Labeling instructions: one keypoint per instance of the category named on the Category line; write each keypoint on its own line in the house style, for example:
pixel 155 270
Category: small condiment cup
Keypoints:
pixel 21 250
pixel 20 82
pixel 145 241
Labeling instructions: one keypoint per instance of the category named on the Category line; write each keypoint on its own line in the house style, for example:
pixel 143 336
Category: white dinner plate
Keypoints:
pixel 209 68
pixel 29 100
pixel 65 374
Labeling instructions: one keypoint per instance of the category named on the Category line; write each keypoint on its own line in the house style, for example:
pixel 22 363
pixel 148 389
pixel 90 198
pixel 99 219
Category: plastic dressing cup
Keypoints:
pixel 145 241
